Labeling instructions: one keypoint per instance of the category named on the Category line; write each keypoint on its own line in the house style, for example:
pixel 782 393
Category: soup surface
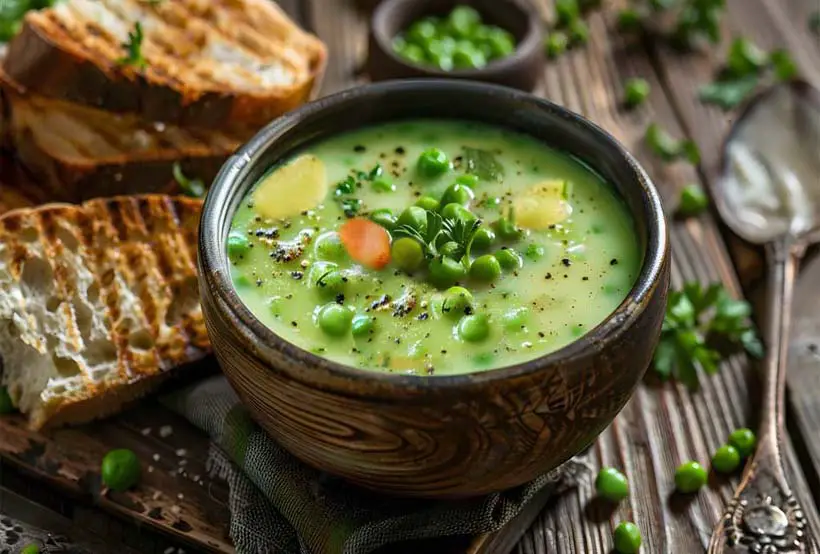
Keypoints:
pixel 512 250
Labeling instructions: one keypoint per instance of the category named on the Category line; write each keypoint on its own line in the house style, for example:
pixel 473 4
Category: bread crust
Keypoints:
pixel 77 61
pixel 100 298
pixel 79 153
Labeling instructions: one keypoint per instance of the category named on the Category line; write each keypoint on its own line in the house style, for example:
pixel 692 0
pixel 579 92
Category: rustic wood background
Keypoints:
pixel 661 426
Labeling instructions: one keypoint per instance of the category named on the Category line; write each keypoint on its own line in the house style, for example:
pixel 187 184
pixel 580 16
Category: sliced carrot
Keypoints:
pixel 366 242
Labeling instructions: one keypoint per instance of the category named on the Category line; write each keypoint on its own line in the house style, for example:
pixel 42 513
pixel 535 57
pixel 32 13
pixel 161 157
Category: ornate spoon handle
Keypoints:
pixel 764 517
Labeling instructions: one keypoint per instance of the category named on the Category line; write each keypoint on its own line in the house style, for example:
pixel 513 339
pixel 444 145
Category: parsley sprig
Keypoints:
pixel 190 187
pixel 133 48
pixel 440 230
pixel 699 326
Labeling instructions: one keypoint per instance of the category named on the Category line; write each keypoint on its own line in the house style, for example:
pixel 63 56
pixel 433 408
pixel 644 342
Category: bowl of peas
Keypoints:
pixel 495 41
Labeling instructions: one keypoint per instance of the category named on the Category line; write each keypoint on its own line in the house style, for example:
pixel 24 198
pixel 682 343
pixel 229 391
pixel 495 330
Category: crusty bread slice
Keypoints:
pixel 98 303
pixel 207 63
pixel 79 153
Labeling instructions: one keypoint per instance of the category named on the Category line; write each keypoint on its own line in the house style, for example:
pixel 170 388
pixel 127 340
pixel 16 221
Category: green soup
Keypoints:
pixel 529 250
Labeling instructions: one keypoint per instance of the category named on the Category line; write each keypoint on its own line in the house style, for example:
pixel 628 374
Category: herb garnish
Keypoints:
pixel 347 186
pixel 190 187
pixel 483 164
pixel 670 149
pixel 746 67
pixel 133 48
pixel 696 321
pixel 452 230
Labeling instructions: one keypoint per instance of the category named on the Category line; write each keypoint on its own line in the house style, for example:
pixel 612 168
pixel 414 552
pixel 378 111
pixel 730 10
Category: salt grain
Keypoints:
pixel 156 457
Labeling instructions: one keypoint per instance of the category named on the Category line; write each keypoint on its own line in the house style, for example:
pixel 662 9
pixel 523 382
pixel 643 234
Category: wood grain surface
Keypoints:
pixel 660 427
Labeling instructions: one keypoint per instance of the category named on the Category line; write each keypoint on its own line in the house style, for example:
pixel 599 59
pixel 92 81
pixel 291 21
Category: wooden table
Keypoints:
pixel 663 424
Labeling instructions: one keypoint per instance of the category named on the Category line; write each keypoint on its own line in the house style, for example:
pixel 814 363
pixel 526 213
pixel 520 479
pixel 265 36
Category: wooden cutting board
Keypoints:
pixel 176 497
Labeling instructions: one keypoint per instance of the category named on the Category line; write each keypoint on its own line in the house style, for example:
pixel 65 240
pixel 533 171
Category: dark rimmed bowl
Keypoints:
pixel 520 70
pixel 453 436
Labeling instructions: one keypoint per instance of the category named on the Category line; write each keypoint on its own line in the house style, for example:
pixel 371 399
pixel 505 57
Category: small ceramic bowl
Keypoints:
pixel 448 436
pixel 520 70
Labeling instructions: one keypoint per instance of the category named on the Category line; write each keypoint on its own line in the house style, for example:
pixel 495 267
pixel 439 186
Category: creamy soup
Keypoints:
pixel 432 248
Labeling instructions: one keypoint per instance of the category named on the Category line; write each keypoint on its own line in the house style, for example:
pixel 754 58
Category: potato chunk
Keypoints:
pixel 293 188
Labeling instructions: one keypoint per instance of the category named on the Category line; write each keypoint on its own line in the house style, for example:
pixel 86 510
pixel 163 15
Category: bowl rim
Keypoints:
pixel 524 49
pixel 216 284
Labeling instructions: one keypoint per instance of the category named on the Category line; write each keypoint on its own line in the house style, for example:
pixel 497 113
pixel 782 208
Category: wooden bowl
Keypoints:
pixel 520 70
pixel 449 436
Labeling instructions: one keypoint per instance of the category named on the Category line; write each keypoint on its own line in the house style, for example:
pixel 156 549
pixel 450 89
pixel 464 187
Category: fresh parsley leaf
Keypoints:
pixel 745 58
pixel 133 48
pixel 351 206
pixel 668 148
pixel 696 319
pixel 345 186
pixel 783 65
pixel 375 173
pixel 693 200
pixel 440 230
pixel 730 93
pixel 483 164
pixel 190 187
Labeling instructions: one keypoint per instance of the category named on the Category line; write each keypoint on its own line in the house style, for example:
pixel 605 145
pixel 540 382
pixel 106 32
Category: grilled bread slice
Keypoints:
pixel 98 303
pixel 78 153
pixel 195 63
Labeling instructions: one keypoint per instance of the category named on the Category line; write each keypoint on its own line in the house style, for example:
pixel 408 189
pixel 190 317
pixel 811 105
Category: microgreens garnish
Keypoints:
pixel 452 230
pixel 133 48
pixel 189 187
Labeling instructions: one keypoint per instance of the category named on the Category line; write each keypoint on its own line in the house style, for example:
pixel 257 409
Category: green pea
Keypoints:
pixel 566 12
pixel 433 162
pixel 421 32
pixel 444 271
pixel 693 200
pixel 457 194
pixel 468 58
pixel 611 484
pixel 457 302
pixel 412 53
pixel 442 61
pixel 474 327
pixel 578 32
pixel 428 203
pixel 335 319
pixel 468 180
pixel 362 325
pixel 506 229
pixel 329 247
pixel 744 440
pixel 483 239
pixel 414 217
pixel 556 44
pixel 30 549
pixel 457 212
pixel 636 91
pixel 331 283
pixel 6 405
pixel 726 459
pixel 509 259
pixel 120 469
pixel 463 20
pixel 627 538
pixel 515 319
pixel 238 246
pixel 485 268
pixel 501 43
pixel 690 477
pixel 534 252
pixel 450 249
pixel 444 46
pixel 385 218
pixel 407 253
pixel 382 184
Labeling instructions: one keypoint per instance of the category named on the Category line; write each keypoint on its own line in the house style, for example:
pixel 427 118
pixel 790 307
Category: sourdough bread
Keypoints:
pixel 98 303
pixel 206 63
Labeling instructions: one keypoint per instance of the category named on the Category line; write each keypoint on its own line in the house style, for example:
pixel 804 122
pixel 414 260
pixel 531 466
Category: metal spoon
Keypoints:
pixel 769 193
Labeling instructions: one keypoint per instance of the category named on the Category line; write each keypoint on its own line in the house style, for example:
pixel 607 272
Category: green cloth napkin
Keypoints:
pixel 280 506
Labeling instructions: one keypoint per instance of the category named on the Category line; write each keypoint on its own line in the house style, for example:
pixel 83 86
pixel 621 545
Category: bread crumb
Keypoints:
pixel 145 432
pixel 156 457
pixel 150 469
pixel 166 431
pixel 181 452
pixel 156 496
pixel 181 496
